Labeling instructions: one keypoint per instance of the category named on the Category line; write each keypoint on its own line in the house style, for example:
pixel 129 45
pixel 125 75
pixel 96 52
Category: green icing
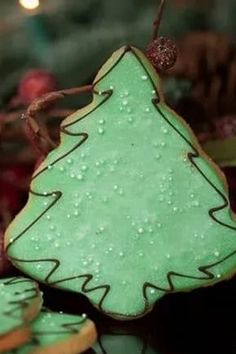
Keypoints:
pixel 16 296
pixel 130 209
pixel 117 343
pixel 51 328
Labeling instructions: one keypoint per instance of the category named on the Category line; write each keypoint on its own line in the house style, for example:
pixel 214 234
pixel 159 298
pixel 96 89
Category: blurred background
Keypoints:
pixel 47 45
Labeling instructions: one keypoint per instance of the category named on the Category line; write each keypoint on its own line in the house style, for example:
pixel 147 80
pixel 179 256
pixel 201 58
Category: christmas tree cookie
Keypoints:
pixel 58 333
pixel 128 207
pixel 20 302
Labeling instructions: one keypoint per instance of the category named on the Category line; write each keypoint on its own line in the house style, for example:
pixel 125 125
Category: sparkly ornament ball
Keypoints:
pixel 162 53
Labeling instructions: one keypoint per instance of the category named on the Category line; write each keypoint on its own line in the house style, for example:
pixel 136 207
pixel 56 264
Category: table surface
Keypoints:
pixel 201 321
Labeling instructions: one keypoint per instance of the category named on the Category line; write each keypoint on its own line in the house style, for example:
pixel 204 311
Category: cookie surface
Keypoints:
pixel 58 333
pixel 20 301
pixel 128 207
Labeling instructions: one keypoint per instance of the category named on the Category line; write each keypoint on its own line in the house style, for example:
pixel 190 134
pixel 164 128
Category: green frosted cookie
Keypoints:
pixel 58 333
pixel 128 207
pixel 20 302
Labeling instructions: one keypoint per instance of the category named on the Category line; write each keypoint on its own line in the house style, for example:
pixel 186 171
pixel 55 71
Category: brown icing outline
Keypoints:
pixel 191 156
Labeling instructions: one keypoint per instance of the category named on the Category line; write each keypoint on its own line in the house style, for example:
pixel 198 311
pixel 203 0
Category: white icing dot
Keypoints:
pixel 84 168
pixel 56 244
pixel 98 173
pixel 76 213
pixel 68 243
pixel 158 225
pixel 121 109
pixel 111 87
pixel 125 102
pixel 80 177
pixel 52 227
pixel 153 92
pixel 101 131
pixel 121 192
pixel 163 144
pixel 126 93
pixel 97 264
pixel 165 130
pixel 169 202
pixel 101 121
pixel 93 245
pixel 102 228
pixel 82 155
pixel 121 254
pixel 129 110
pixel 218 275
pixel 144 77
pixel 140 230
pixel 115 187
pixel 72 175
pixel 50 167
pixel 45 203
pixel 168 256
pixel 62 169
pixel 48 217
pixel 85 263
pixel 192 195
pixel 175 209
pixel 157 156
pixel 202 236
pixel 140 254
pixel 147 109
pixel 11 240
pixel 68 216
pixel 76 204
pixel 216 253
pixel 39 266
pixel 84 315
pixel 110 249
pixel 69 161
pixel 151 242
pixel 152 291
pixel 36 247
pixel 124 282
pixel 150 230
pixel 130 120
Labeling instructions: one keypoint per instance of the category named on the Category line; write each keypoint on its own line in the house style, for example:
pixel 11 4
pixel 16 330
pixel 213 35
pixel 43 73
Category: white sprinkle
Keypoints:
pixel 101 121
pixel 121 254
pixel 125 102
pixel 69 161
pixel 101 131
pixel 79 177
pixel 144 77
pixel 115 187
pixel 50 167
pixel 140 230
pixel 62 169
pixel 217 254
pixel 152 291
